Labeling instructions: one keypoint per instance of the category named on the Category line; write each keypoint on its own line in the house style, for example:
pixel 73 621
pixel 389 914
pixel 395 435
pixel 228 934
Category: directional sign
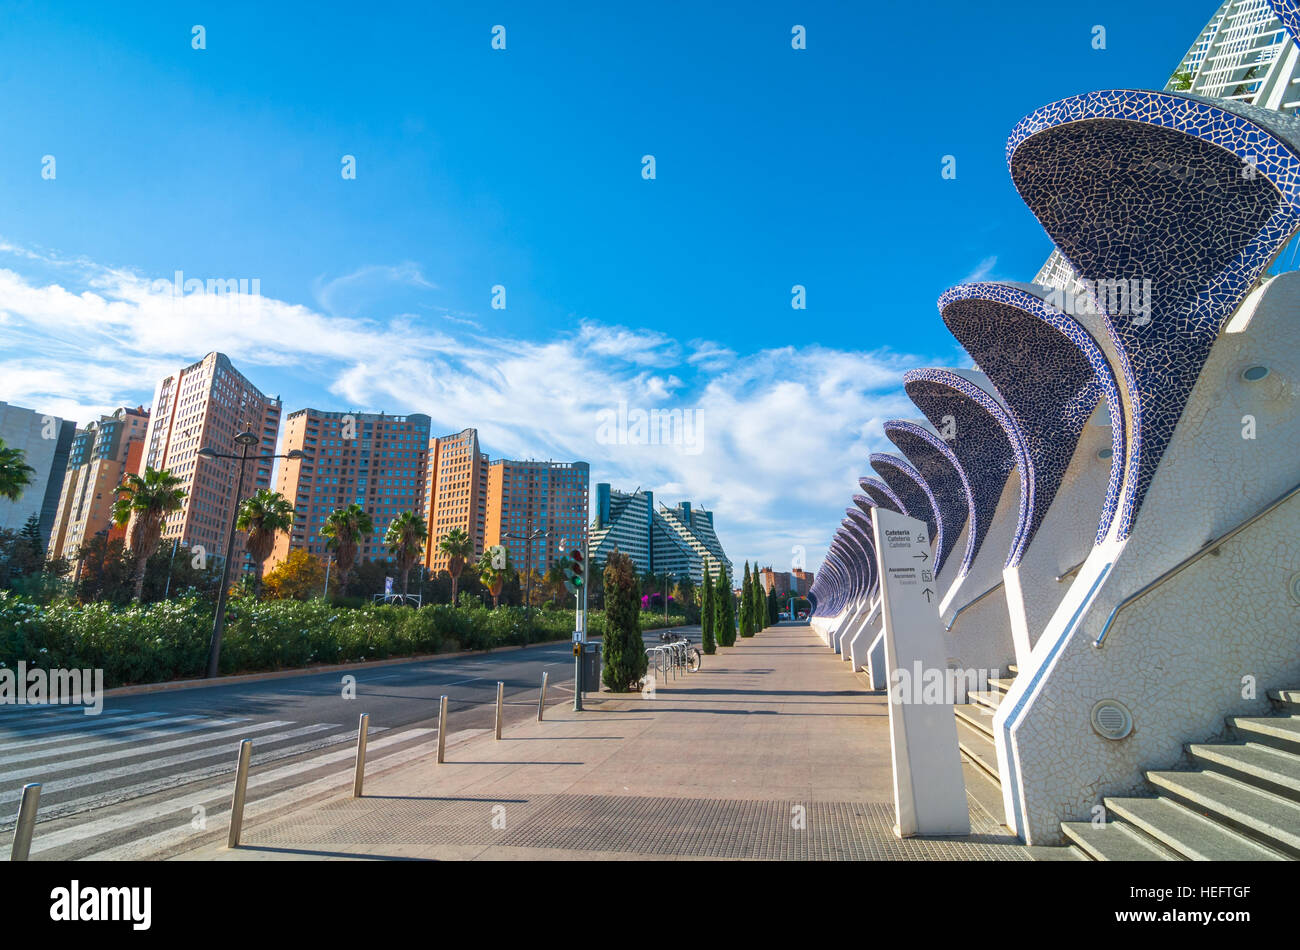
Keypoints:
pixel 929 790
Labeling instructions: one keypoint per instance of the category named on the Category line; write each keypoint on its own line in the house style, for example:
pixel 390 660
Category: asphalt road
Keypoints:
pixel 154 770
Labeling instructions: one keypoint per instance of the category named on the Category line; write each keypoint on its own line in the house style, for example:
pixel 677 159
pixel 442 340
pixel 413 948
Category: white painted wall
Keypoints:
pixel 1178 656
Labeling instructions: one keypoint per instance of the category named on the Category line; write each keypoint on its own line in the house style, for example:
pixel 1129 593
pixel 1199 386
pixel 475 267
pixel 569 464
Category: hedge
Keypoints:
pixel 169 640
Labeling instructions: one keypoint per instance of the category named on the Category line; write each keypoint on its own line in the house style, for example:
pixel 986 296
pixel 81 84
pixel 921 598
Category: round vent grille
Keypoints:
pixel 1253 374
pixel 1105 453
pixel 1111 719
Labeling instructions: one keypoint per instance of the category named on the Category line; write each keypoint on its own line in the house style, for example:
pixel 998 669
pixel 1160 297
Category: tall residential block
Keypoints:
pixel 455 493
pixel 101 454
pixel 375 460
pixel 45 442
pixel 536 509
pixel 205 405
pixel 677 540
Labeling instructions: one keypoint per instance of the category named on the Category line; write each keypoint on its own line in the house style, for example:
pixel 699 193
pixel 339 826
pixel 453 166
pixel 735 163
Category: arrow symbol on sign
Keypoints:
pixel 923 556
pixel 927 593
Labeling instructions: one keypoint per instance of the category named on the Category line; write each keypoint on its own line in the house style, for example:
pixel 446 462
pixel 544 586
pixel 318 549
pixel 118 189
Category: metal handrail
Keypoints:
pixel 1186 562
pixel 1070 570
pixel 971 603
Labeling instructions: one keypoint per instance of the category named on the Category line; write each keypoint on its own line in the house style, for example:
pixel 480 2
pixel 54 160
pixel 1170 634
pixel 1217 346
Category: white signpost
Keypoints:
pixel 929 790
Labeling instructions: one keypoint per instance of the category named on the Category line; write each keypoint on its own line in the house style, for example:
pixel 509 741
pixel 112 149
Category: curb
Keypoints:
pixel 238 678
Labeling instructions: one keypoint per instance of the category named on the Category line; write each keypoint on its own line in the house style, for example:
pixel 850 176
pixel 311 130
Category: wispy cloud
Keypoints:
pixel 983 270
pixel 782 434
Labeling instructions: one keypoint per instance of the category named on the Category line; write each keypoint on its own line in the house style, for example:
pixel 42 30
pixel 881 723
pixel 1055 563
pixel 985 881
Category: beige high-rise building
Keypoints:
pixel 101 454
pixel 455 493
pixel 205 405
pixel 373 459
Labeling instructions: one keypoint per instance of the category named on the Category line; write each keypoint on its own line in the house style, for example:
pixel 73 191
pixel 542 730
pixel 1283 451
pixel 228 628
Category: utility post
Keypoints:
pixel 575 579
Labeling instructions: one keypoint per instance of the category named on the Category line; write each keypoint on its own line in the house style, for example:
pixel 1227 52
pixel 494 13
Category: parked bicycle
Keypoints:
pixel 691 657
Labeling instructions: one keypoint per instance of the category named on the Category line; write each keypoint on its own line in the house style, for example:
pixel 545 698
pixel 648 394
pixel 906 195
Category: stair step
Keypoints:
pixel 1277 770
pixel 978 747
pixel 1013 669
pixel 1287 698
pixel 981 717
pixel 1275 730
pixel 1115 841
pixel 986 697
pixel 1184 831
pixel 1002 685
pixel 1268 817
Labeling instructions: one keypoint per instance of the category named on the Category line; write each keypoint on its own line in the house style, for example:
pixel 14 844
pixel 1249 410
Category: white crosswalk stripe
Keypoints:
pixel 13 728
pixel 106 762
pixel 158 728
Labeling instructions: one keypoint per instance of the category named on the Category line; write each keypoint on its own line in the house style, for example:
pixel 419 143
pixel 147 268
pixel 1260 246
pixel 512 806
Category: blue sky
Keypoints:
pixel 522 168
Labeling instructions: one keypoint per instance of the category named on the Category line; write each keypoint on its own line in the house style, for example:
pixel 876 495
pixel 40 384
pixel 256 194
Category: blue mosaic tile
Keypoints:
pixel 980 443
pixel 1288 11
pixel 938 467
pixel 1194 195
pixel 881 495
pixel 908 486
pixel 1050 373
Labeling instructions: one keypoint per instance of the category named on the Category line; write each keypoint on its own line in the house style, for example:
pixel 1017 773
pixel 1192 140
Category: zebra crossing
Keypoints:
pixel 132 784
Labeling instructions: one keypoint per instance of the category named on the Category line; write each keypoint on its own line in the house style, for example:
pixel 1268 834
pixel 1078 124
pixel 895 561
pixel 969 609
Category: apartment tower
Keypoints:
pixel 371 459
pixel 100 456
pixel 205 405
pixel 455 493
pixel 538 510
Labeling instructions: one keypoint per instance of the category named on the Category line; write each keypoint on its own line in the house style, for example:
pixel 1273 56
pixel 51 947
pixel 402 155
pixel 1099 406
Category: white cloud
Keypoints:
pixel 982 270
pixel 782 434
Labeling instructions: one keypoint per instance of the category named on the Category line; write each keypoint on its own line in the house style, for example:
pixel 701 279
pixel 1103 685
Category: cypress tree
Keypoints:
pixel 773 607
pixel 746 605
pixel 706 613
pixel 760 603
pixel 724 623
pixel 625 660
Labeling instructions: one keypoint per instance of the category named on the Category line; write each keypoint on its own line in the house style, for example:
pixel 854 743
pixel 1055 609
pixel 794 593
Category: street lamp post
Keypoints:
pixel 528 538
pixel 244 440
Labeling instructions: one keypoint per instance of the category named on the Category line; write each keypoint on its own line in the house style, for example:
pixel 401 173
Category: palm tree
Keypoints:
pixel 15 474
pixel 555 575
pixel 345 527
pixel 146 502
pixel 263 516
pixel 493 577
pixel 456 544
pixel 405 539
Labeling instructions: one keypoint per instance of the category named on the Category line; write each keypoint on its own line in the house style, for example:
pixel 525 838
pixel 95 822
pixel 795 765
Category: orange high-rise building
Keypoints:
pixel 101 454
pixel 371 459
pixel 544 501
pixel 205 405
pixel 455 493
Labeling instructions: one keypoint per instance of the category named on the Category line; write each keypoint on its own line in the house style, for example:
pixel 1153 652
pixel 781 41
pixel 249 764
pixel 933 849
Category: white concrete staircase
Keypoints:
pixel 1241 803
pixel 975 726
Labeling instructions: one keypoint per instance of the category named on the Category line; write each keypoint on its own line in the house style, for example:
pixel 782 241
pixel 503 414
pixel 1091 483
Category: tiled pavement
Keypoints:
pixel 775 750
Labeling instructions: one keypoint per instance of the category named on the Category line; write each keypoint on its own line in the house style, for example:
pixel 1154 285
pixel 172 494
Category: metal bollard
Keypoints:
pixel 359 778
pixel 241 788
pixel 442 730
pixel 501 705
pixel 26 822
pixel 541 700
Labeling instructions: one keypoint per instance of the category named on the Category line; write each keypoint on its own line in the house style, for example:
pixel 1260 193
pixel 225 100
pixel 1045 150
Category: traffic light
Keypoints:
pixel 573 571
